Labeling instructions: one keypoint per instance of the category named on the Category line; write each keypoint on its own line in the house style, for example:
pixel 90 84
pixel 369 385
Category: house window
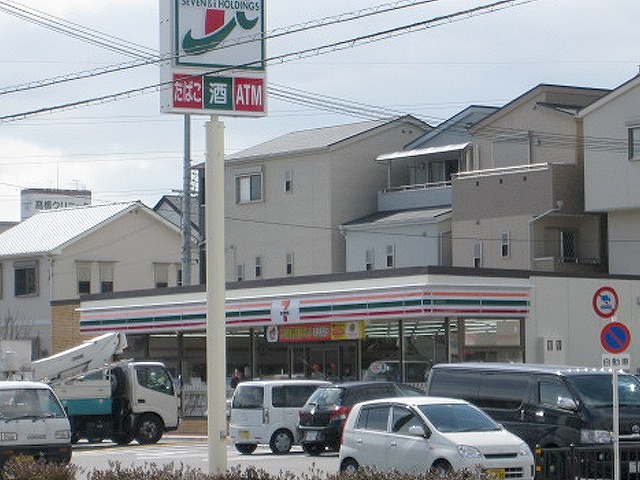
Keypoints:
pixel 477 255
pixel 567 246
pixel 634 143
pixel 391 256
pixel 249 188
pixel 240 272
pixel 161 275
pixel 179 276
pixel 83 274
pixel 26 278
pixel 287 181
pixel 258 269
pixel 369 258
pixel 289 261
pixel 504 244
pixel 106 277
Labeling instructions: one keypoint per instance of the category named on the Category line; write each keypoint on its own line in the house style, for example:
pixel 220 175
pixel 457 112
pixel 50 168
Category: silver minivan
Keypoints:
pixel 266 412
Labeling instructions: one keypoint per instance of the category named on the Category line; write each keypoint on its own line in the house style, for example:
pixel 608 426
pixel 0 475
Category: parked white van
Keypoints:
pixel 420 434
pixel 266 412
pixel 33 422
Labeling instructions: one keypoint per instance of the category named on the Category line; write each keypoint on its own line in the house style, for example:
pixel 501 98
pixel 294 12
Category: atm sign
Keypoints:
pixel 207 94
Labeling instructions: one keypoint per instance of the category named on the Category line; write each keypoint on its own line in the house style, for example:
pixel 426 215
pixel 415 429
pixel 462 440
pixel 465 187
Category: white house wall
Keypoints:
pixel 624 242
pixel 329 187
pixel 414 245
pixel 611 180
pixel 32 313
pixel 134 242
pixel 562 309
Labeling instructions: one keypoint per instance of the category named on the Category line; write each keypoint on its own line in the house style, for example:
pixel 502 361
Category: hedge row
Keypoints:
pixel 23 468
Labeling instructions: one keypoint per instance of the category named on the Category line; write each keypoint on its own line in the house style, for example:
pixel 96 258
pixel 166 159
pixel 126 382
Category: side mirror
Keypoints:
pixel 567 403
pixel 418 431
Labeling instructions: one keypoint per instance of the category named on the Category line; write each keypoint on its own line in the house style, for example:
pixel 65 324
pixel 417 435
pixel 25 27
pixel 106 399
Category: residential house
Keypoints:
pixel 286 198
pixel 412 225
pixel 612 171
pixel 56 256
pixel 522 205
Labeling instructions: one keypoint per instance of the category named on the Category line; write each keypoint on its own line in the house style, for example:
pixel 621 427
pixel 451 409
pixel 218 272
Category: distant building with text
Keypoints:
pixel 32 200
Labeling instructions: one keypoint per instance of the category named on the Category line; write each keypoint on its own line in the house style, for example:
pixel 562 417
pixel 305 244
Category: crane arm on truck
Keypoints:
pixel 90 355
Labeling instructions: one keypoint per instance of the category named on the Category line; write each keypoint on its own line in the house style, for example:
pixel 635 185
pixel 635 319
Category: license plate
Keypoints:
pixel 634 467
pixel 498 473
pixel 244 434
pixel 312 435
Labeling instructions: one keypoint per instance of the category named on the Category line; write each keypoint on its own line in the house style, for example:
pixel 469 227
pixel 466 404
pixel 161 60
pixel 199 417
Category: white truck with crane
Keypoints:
pixel 110 399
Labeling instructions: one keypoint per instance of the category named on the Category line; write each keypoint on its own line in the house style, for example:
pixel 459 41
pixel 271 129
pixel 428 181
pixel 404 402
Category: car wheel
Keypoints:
pixel 313 449
pixel 349 466
pixel 281 441
pixel 441 468
pixel 246 448
pixel 148 429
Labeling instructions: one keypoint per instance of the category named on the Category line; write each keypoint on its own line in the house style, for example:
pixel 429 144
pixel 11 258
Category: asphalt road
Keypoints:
pixel 193 452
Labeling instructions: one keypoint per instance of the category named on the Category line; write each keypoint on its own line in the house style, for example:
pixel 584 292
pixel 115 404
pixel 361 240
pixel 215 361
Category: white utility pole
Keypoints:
pixel 216 346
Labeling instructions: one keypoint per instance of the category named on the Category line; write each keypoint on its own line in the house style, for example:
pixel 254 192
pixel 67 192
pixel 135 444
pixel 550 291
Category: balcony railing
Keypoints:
pixel 566 264
pixel 534 167
pixel 417 186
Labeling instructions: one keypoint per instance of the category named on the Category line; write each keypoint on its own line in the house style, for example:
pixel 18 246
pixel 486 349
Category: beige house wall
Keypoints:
pixel 329 187
pixel 134 242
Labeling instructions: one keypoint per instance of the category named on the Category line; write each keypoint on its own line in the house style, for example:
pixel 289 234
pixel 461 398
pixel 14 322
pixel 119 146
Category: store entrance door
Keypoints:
pixel 334 362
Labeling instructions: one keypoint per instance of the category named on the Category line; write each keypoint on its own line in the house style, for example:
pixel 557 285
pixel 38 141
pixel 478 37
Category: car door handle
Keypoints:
pixel 142 400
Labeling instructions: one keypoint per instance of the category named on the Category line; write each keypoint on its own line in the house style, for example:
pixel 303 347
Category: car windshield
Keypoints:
pixel 326 396
pixel 458 417
pixel 597 390
pixel 29 403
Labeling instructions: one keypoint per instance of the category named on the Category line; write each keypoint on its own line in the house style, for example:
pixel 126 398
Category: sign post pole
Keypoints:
pixel 616 427
pixel 216 347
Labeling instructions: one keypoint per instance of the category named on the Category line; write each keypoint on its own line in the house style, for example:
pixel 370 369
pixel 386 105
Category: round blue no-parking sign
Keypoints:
pixel 615 337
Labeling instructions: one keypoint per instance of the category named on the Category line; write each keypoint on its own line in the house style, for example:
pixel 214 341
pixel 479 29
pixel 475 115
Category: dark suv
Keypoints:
pixel 321 419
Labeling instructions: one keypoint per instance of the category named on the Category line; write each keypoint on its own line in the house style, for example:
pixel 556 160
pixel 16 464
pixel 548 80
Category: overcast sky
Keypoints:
pixel 127 150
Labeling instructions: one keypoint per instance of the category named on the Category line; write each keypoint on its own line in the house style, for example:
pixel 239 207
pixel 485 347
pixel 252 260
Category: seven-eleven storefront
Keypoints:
pixel 341 327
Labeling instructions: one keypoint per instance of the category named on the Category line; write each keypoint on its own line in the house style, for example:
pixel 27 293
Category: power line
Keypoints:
pixel 92 36
pixel 304 53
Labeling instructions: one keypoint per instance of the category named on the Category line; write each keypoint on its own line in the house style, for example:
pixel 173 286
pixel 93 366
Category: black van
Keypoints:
pixel 550 406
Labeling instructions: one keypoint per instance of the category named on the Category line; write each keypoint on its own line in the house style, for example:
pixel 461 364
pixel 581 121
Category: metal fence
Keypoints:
pixel 592 462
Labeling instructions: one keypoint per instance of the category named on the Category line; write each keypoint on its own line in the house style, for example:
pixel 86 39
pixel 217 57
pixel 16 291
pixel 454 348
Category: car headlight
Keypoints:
pixel 524 450
pixel 467 451
pixel 596 436
pixel 63 434
pixel 9 436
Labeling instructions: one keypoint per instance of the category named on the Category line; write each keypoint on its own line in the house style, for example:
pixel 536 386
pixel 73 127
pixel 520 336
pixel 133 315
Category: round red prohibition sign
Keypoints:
pixel 605 302
pixel 615 337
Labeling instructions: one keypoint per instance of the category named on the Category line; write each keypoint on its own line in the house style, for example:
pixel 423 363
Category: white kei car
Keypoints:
pixel 419 434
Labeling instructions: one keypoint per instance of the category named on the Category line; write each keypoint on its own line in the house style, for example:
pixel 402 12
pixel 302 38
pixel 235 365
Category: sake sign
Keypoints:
pixel 213 53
